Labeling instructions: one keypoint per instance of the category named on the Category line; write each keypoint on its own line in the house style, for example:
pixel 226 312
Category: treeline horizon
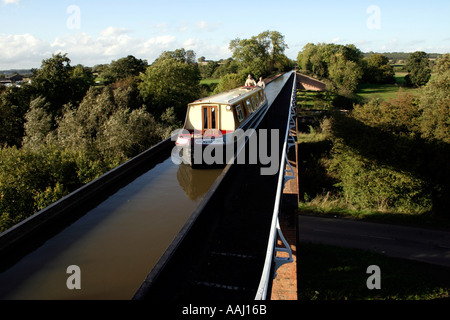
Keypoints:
pixel 400 55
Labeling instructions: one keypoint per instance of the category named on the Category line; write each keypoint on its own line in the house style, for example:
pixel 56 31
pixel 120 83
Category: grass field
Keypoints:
pixel 324 100
pixel 385 91
pixel 209 81
pixel 334 273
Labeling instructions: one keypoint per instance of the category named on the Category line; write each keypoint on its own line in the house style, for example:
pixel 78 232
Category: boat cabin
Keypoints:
pixel 224 112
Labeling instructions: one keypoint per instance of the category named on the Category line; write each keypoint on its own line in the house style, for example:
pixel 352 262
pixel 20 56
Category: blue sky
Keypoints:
pixel 97 31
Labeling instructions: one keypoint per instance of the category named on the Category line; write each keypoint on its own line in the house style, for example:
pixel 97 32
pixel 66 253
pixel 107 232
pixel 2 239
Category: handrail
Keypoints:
pixel 275 230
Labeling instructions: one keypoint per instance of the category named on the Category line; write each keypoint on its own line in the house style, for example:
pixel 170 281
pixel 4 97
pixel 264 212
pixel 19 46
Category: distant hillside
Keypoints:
pixel 397 56
pixel 14 71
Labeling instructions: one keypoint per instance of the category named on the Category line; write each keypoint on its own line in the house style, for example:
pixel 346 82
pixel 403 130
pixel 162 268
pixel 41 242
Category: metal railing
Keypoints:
pixel 272 262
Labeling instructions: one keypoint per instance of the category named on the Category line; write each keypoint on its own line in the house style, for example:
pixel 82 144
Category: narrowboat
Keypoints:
pixel 212 124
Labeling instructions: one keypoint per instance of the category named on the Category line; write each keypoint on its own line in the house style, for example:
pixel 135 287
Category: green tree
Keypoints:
pixel 316 58
pixel 60 83
pixel 419 70
pixel 377 69
pixel 230 81
pixel 14 103
pixel 78 127
pixel 260 55
pixel 345 74
pixel 124 68
pixel 435 106
pixel 442 64
pixel 38 124
pixel 207 70
pixel 226 67
pixel 170 82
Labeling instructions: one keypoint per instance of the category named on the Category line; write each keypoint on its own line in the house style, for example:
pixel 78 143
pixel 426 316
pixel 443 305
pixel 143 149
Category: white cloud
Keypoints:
pixel 207 48
pixel 392 45
pixel 206 26
pixel 10 1
pixel 336 40
pixel 22 50
pixel 111 32
pixel 112 43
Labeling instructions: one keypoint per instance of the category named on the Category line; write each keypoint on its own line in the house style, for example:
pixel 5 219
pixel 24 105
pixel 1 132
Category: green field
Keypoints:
pixel 209 81
pixel 385 91
pixel 366 91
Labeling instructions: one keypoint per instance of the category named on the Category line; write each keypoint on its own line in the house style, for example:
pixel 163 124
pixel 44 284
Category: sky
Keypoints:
pixel 98 31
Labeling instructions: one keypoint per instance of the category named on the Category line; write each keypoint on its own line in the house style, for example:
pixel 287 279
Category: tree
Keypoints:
pixel 435 105
pixel 377 69
pixel 207 70
pixel 124 68
pixel 230 81
pixel 442 64
pixel 345 74
pixel 38 124
pixel 418 67
pixel 317 58
pixel 260 55
pixel 60 83
pixel 170 82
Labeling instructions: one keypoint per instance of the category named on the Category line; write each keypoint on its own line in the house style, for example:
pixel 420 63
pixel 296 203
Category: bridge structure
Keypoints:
pixel 152 229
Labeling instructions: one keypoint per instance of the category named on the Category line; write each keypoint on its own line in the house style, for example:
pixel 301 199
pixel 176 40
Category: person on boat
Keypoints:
pixel 250 82
pixel 261 83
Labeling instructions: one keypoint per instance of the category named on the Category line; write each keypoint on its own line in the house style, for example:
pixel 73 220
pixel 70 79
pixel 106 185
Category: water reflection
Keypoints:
pixel 196 182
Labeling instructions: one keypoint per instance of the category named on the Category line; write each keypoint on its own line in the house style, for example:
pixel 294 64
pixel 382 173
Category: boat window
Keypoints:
pixel 257 98
pixel 205 118
pixel 213 118
pixel 239 113
pixel 255 106
pixel 210 117
pixel 249 105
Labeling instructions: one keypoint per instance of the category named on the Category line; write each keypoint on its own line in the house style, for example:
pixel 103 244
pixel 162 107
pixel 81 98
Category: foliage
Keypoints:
pixel 345 74
pixel 377 69
pixel 170 82
pixel 38 124
pixel 317 57
pixel 207 70
pixel 14 103
pixel 419 70
pixel 124 68
pixel 104 126
pixel 341 64
pixel 386 155
pixel 229 66
pixel 260 55
pixel 442 64
pixel 60 83
pixel 230 81
pixel 31 180
pixel 435 105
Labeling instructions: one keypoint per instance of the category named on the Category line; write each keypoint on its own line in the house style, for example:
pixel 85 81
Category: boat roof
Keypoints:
pixel 229 96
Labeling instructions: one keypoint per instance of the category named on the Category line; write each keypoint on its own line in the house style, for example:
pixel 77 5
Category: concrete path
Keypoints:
pixel 424 245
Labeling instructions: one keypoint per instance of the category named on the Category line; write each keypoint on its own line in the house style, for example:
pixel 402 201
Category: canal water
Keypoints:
pixel 116 244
